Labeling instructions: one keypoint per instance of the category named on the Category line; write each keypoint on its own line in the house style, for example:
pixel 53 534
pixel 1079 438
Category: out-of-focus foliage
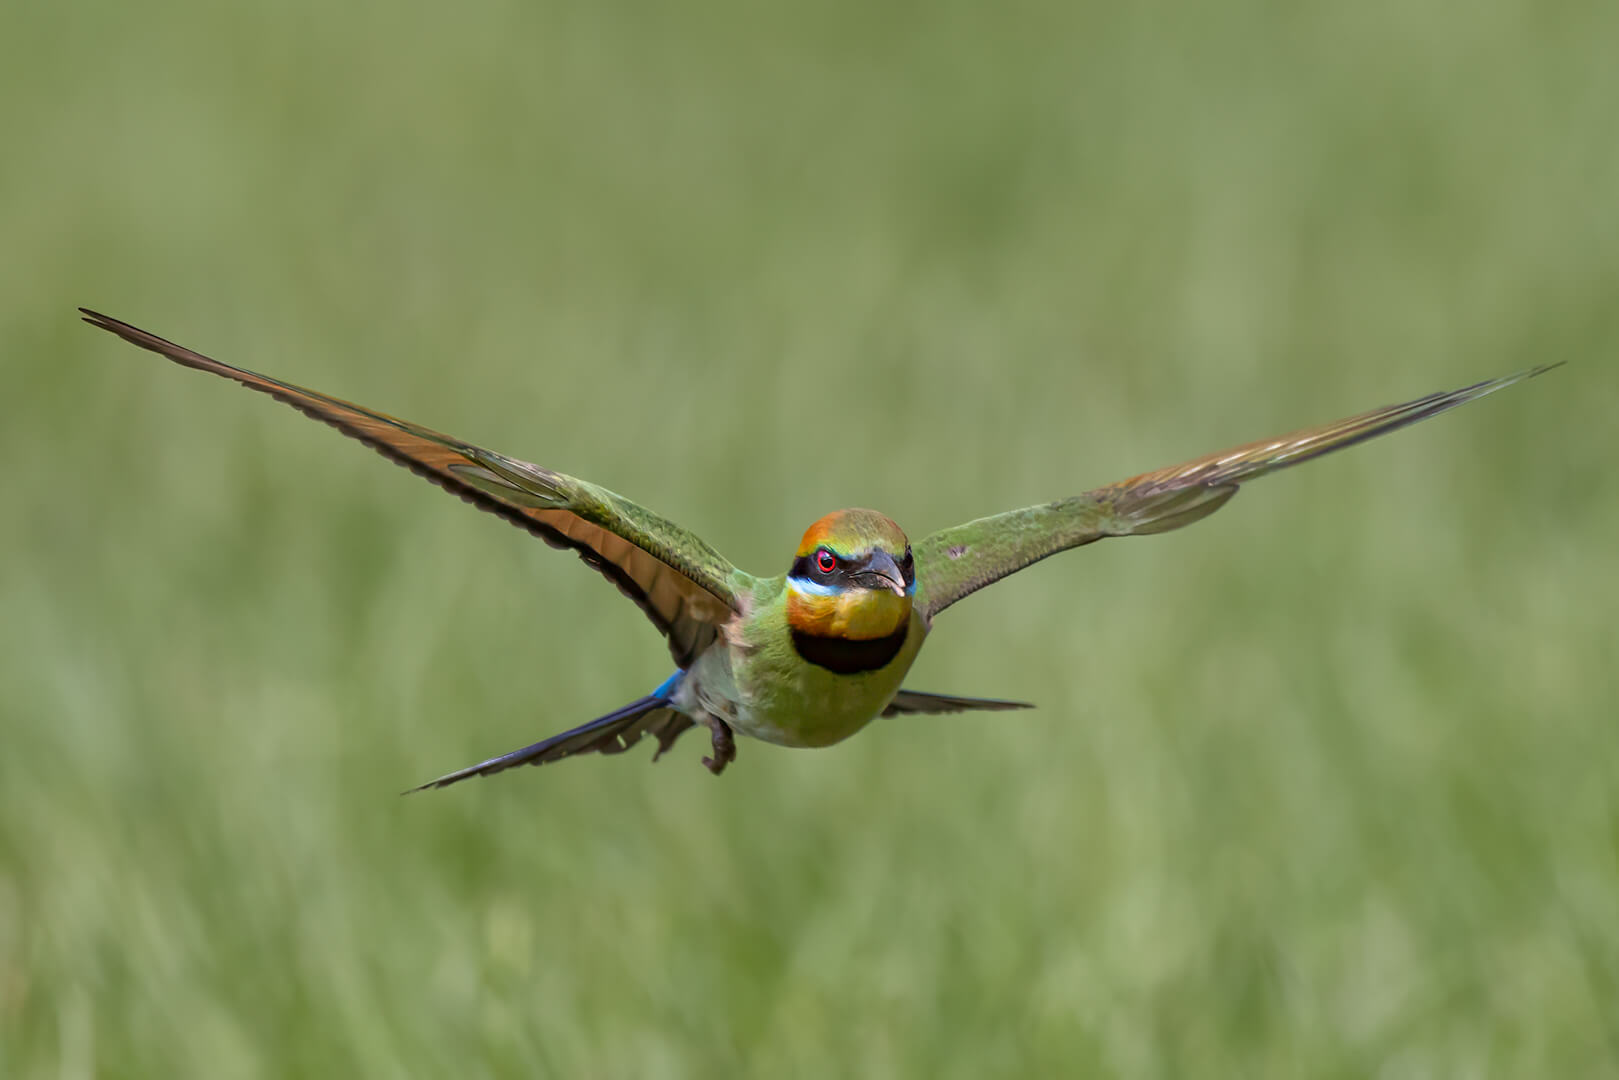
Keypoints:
pixel 1323 786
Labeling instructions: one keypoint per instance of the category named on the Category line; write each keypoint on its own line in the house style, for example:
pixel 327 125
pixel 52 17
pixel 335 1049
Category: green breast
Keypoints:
pixel 786 697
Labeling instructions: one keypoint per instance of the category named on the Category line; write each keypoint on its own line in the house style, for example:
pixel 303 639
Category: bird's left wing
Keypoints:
pixel 955 562
pixel 683 585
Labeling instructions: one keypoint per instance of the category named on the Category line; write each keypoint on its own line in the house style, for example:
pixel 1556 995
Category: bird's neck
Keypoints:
pixel 850 613
pixel 848 630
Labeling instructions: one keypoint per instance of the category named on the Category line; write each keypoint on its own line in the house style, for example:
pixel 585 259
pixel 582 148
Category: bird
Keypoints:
pixel 808 657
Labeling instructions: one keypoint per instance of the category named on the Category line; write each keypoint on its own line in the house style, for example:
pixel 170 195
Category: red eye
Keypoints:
pixel 824 562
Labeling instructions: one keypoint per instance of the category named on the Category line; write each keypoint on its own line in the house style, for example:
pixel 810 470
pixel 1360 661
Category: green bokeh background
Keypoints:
pixel 1324 786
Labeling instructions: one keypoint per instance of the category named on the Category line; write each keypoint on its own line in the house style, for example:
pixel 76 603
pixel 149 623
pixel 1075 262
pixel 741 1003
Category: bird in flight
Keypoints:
pixel 809 657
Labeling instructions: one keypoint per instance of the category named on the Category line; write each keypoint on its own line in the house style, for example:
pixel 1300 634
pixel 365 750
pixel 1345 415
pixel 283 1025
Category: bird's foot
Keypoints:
pixel 724 747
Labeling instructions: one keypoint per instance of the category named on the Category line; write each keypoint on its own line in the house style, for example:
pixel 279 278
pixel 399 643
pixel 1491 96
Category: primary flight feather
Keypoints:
pixel 809 657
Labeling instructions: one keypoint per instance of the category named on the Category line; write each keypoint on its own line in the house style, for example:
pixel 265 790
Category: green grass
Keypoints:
pixel 1324 786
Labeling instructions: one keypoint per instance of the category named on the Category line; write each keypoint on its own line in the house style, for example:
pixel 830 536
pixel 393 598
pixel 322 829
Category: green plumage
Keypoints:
pixel 743 644
pixel 955 562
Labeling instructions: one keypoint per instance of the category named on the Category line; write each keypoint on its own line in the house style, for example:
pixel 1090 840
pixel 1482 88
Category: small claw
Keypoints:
pixel 724 748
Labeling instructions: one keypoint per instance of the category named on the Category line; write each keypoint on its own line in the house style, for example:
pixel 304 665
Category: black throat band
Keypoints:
pixel 848 656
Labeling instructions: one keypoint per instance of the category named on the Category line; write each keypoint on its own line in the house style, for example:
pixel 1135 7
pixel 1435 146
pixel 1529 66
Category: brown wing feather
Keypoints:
pixel 955 562
pixel 681 583
pixel 1254 459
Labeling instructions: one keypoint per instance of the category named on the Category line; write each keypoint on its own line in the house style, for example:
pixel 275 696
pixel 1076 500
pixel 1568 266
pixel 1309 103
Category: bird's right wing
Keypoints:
pixel 956 562
pixel 684 586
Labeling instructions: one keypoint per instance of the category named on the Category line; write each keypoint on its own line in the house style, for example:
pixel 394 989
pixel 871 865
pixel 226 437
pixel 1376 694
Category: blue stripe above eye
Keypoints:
pixel 807 587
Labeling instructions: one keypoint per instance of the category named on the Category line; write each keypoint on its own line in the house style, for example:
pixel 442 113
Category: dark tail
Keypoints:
pixel 611 734
pixel 907 702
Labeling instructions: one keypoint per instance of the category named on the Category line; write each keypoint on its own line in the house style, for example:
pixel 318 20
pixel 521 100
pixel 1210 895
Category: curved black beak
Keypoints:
pixel 881 572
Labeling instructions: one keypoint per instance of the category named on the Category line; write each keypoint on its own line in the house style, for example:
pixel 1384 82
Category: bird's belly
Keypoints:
pixel 784 700
pixel 810 719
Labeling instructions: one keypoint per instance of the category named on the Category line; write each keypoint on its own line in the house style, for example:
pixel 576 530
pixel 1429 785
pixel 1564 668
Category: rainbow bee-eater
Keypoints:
pixel 808 657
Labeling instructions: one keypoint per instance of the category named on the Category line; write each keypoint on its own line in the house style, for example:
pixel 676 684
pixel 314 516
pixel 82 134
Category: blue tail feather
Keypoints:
pixel 667 689
pixel 608 734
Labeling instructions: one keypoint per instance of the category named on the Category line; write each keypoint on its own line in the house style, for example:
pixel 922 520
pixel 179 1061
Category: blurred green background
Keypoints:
pixel 1324 786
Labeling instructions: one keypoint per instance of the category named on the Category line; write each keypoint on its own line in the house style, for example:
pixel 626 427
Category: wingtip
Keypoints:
pixel 132 334
pixel 1492 385
pixel 442 781
pixel 1520 376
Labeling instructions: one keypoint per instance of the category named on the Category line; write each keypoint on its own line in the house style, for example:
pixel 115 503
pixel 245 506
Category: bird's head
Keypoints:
pixel 852 578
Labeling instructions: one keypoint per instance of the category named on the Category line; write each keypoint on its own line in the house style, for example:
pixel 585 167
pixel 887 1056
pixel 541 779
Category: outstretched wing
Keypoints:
pixel 682 584
pixel 955 562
